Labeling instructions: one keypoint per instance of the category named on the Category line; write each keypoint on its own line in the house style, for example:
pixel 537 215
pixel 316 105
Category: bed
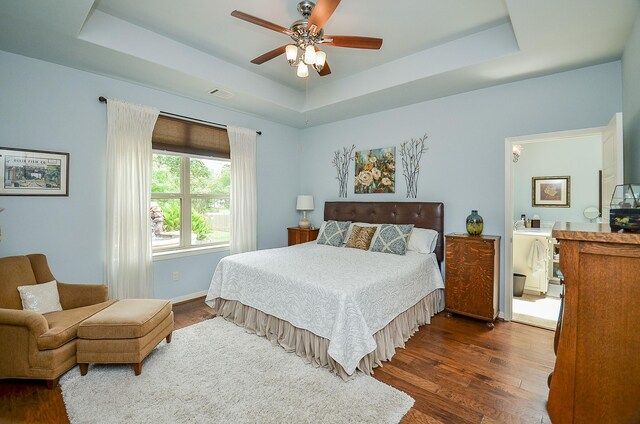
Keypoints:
pixel 337 307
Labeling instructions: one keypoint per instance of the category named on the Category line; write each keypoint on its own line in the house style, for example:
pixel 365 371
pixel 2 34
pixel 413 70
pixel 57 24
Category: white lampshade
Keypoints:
pixel 321 58
pixel 304 203
pixel 303 71
pixel 292 53
pixel 309 55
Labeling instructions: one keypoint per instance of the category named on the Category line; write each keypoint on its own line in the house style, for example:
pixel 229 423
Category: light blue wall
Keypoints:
pixel 580 158
pixel 631 108
pixel 50 107
pixel 464 166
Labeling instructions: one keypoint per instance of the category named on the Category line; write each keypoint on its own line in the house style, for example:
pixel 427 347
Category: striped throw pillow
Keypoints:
pixel 361 237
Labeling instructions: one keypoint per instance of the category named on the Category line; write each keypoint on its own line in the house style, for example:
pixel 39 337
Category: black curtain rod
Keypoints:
pixel 104 100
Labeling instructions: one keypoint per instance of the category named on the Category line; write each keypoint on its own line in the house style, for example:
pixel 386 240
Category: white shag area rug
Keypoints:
pixel 216 372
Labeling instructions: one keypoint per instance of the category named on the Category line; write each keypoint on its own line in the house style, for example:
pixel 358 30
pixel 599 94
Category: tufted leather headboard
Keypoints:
pixel 421 214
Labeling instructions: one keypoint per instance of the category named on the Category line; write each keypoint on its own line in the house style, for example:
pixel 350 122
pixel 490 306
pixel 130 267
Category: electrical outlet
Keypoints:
pixel 175 276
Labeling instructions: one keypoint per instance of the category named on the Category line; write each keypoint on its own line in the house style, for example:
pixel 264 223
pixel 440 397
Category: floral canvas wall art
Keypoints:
pixel 375 171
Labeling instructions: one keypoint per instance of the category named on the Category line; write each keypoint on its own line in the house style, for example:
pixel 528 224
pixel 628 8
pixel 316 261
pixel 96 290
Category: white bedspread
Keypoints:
pixel 344 295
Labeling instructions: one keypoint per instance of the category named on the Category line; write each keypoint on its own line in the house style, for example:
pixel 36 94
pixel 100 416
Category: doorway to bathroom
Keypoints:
pixel 574 163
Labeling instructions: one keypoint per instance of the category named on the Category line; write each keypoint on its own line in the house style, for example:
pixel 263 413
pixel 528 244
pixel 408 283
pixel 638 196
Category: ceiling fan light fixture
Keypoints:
pixel 303 70
pixel 308 33
pixel 292 53
pixel 310 55
pixel 321 58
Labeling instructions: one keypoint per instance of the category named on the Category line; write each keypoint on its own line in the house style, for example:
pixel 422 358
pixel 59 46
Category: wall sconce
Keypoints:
pixel 517 150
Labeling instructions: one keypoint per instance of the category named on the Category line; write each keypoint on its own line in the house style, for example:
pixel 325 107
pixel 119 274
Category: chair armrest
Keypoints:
pixel 76 295
pixel 19 331
pixel 33 321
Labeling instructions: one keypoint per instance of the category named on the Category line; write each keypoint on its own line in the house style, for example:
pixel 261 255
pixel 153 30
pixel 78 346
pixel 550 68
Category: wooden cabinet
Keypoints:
pixel 301 235
pixel 472 273
pixel 597 369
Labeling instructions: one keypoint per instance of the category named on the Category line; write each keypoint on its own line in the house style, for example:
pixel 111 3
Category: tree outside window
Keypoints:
pixel 189 192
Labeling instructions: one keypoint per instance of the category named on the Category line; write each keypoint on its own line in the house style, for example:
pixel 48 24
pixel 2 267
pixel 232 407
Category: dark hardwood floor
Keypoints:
pixel 456 369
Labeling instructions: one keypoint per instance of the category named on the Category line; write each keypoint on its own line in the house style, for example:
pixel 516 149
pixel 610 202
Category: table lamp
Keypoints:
pixel 304 204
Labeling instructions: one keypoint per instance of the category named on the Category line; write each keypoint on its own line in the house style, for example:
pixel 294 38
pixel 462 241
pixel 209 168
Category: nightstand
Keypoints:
pixel 299 235
pixel 472 272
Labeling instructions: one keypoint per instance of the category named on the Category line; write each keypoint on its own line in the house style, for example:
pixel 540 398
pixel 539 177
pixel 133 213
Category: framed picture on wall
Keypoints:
pixel 33 172
pixel 551 192
pixel 375 171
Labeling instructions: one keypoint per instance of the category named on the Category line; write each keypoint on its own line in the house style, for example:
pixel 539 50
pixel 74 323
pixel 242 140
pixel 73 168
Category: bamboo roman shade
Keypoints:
pixel 193 138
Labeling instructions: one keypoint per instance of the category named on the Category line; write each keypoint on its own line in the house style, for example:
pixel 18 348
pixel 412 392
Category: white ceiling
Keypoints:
pixel 432 48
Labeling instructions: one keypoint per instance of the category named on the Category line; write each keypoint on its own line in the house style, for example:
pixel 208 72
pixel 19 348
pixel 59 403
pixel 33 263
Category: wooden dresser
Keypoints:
pixel 472 272
pixel 597 373
pixel 299 235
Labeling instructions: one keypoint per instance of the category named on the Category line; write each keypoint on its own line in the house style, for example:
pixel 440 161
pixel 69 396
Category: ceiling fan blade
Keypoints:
pixel 322 11
pixel 269 55
pixel 352 41
pixel 325 70
pixel 260 22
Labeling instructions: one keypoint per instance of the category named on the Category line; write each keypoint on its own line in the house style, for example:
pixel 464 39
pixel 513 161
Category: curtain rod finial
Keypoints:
pixel 102 99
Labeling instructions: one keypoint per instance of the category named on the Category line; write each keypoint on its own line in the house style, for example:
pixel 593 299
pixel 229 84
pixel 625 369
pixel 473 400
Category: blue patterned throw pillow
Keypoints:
pixel 392 239
pixel 333 233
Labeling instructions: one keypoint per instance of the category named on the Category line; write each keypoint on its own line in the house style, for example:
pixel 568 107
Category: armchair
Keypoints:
pixel 41 346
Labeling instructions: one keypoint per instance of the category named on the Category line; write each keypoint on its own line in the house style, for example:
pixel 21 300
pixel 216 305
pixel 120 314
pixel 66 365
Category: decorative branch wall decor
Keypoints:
pixel 411 152
pixel 341 161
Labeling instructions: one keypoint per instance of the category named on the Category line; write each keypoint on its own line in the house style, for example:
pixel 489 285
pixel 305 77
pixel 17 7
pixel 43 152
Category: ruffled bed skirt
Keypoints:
pixel 313 349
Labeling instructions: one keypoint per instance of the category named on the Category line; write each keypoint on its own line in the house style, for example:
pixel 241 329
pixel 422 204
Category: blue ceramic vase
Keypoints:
pixel 474 224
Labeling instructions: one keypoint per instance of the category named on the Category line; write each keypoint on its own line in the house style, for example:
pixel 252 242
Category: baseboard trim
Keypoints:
pixel 188 297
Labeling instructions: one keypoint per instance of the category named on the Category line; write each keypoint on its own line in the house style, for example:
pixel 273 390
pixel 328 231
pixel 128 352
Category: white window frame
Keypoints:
pixel 185 248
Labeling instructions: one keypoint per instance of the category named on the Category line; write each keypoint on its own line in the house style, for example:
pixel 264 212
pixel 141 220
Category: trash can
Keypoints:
pixel 518 284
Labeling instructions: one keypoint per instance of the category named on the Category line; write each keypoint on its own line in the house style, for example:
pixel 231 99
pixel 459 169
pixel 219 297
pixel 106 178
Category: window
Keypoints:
pixel 191 181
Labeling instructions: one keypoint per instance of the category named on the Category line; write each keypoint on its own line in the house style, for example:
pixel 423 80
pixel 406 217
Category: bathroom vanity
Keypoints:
pixel 524 248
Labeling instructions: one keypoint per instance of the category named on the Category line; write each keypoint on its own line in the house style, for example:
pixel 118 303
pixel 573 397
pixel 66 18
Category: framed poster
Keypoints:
pixel 33 172
pixel 551 192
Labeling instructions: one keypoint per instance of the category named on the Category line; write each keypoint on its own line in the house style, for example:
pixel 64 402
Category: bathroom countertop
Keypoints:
pixel 539 232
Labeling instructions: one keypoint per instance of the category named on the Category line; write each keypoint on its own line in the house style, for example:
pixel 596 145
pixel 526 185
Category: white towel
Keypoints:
pixel 537 259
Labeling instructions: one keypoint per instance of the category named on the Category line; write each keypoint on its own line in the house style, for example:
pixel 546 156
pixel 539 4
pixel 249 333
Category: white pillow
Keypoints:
pixel 423 240
pixel 41 298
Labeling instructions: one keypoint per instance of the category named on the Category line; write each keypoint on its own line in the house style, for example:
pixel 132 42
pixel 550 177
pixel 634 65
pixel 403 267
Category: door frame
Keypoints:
pixel 510 142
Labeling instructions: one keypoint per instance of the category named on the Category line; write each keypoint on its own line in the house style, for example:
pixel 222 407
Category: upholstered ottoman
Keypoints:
pixel 124 333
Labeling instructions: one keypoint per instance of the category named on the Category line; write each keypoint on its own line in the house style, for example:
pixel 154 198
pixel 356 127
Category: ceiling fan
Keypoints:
pixel 307 34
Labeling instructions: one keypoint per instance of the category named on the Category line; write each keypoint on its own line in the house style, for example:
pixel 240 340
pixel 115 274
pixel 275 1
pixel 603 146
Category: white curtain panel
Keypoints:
pixel 244 192
pixel 129 161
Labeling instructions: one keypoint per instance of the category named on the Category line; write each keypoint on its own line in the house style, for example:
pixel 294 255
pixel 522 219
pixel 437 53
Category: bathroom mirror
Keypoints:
pixel 591 213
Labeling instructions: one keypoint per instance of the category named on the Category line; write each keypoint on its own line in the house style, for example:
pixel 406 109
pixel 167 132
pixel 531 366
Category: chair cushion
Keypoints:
pixel 127 319
pixel 63 325
pixel 14 271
